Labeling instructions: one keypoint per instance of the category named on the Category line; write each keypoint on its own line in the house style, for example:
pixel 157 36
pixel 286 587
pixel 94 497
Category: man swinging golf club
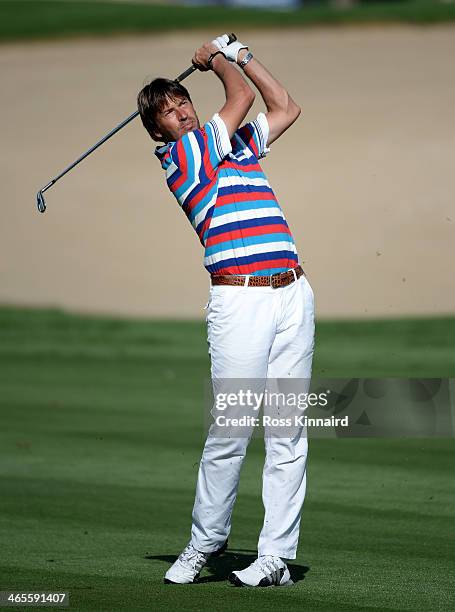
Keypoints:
pixel 260 317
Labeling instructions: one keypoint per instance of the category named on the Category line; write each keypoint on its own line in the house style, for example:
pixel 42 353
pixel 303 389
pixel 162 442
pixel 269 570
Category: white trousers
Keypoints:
pixel 256 333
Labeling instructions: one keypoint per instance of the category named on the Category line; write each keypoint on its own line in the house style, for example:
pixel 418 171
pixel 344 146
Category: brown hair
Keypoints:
pixel 153 98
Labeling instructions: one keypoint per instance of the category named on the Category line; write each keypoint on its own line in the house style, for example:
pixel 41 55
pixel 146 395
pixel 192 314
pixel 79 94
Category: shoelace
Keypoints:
pixel 269 566
pixel 193 557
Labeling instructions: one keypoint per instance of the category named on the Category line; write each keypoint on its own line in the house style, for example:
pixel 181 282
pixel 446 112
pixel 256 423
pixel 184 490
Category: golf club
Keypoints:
pixel 40 201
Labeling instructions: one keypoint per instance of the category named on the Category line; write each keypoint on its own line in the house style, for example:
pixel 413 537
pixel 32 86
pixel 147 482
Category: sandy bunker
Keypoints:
pixel 365 177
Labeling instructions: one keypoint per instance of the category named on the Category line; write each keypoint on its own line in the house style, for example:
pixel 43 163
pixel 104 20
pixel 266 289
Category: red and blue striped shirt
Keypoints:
pixel 223 191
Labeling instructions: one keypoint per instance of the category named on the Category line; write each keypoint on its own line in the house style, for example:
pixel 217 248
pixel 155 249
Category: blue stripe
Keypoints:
pixel 246 173
pixel 171 180
pixel 190 167
pixel 248 161
pixel 255 258
pixel 203 178
pixel 233 189
pixel 238 206
pixel 269 271
pixel 205 200
pixel 208 215
pixel 187 205
pixel 251 133
pixel 238 225
pixel 246 241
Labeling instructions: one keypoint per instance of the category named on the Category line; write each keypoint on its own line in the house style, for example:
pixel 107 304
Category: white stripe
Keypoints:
pixel 260 136
pixel 230 181
pixel 246 154
pixel 225 142
pixel 244 215
pixel 197 165
pixel 201 215
pixel 263 123
pixel 217 138
pixel 170 170
pixel 266 247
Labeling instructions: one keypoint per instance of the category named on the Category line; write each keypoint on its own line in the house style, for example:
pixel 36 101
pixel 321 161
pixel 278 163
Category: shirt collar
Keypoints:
pixel 160 151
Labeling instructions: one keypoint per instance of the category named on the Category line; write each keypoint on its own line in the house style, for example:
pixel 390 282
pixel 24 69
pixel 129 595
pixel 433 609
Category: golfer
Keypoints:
pixel 260 316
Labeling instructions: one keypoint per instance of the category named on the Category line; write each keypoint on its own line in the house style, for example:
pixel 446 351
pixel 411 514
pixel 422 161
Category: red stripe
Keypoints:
pixel 183 166
pixel 198 197
pixel 236 166
pixel 244 196
pixel 204 228
pixel 209 170
pixel 277 228
pixel 258 266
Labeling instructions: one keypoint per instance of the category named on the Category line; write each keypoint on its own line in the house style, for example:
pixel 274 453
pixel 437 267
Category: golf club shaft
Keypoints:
pixel 40 198
pixel 121 125
pixel 95 146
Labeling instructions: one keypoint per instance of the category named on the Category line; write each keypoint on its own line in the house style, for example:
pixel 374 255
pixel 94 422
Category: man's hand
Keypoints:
pixel 221 41
pixel 230 51
pixel 203 54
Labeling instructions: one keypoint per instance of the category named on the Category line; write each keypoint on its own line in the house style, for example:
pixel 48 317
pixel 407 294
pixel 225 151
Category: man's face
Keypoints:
pixel 176 119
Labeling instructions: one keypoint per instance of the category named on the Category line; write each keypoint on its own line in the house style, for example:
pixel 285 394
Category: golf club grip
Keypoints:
pixel 191 69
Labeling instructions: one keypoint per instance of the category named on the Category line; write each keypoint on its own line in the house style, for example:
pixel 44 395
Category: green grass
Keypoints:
pixel 101 434
pixel 35 19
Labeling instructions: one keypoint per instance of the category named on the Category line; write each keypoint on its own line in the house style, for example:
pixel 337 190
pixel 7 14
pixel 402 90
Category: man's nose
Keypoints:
pixel 182 115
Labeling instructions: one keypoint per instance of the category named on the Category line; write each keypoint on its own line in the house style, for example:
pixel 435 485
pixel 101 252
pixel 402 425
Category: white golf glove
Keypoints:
pixel 230 51
pixel 221 41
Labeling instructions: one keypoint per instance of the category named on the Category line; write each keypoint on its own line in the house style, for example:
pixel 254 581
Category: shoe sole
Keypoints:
pixel 235 580
pixel 167 581
pixel 217 553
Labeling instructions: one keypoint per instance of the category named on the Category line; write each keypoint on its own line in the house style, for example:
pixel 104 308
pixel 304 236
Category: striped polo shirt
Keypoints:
pixel 227 198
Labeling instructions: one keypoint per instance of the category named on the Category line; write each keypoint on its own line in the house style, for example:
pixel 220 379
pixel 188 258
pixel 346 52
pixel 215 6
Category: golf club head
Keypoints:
pixel 40 202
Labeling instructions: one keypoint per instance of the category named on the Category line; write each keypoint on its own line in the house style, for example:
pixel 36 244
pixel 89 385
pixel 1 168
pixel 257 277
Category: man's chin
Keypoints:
pixel 189 128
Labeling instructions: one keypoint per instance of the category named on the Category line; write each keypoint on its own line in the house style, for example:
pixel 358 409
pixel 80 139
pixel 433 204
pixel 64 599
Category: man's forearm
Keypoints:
pixel 234 83
pixel 239 95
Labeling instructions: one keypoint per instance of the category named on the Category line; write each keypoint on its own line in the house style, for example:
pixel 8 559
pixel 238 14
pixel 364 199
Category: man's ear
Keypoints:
pixel 157 135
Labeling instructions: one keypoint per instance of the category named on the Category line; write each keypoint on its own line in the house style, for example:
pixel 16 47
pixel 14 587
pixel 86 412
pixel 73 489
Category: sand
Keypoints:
pixel 365 176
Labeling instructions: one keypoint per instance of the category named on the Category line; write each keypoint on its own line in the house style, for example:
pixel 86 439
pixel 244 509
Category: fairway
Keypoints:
pixel 103 414
pixel 36 19
pixel 100 442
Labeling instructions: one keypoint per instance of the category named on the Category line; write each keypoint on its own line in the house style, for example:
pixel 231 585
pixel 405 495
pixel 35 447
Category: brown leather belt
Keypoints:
pixel 282 279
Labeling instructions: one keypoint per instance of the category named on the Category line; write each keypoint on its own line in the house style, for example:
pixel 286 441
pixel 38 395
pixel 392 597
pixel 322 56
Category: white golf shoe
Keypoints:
pixel 189 565
pixel 265 571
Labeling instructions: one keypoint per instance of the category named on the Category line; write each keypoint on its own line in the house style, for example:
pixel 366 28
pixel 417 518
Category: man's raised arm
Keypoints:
pixel 282 111
pixel 239 95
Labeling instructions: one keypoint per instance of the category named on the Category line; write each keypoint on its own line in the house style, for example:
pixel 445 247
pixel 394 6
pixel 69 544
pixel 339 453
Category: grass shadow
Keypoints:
pixel 220 567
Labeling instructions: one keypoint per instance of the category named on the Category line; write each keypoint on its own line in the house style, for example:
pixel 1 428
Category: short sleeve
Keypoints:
pixel 255 135
pixel 219 140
